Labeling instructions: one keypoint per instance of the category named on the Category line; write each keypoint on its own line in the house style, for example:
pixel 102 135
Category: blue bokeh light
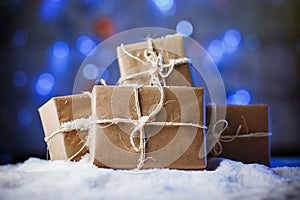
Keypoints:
pixel 184 27
pixel 44 84
pixel 24 117
pixel 60 49
pixel 164 5
pixel 50 9
pixel 216 49
pixel 90 72
pixel 85 45
pixel 20 38
pixel 232 39
pixel 20 78
pixel 241 97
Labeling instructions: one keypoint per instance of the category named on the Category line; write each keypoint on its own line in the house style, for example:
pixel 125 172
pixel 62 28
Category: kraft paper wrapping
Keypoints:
pixel 65 109
pixel 251 119
pixel 166 146
pixel 170 47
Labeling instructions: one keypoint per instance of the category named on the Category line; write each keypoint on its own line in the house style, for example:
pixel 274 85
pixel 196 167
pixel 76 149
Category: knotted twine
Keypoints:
pixel 158 70
pixel 219 138
pixel 139 124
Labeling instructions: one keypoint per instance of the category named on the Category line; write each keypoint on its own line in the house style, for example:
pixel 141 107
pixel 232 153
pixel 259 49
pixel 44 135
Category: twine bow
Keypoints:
pixel 139 124
pixel 158 70
pixel 219 138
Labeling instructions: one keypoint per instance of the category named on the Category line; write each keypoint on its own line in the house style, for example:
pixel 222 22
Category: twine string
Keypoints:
pixel 140 123
pixel 158 70
pixel 219 138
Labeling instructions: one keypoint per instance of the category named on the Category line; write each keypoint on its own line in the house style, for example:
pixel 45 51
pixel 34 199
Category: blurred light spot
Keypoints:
pixel 50 9
pixel 252 42
pixel 5 158
pixel 276 2
pixel 44 84
pixel 20 78
pixel 90 72
pixel 105 27
pixel 216 49
pixel 232 40
pixel 24 117
pixel 241 97
pixel 184 27
pixel 85 45
pixel 60 49
pixel 164 5
pixel 58 66
pixel 20 38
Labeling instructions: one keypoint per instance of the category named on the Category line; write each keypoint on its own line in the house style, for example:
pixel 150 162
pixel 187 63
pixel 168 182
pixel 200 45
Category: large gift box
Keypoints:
pixel 147 127
pixel 163 57
pixel 247 136
pixel 61 118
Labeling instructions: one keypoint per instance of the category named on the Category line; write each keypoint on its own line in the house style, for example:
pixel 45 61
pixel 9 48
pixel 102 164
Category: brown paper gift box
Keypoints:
pixel 63 109
pixel 166 146
pixel 253 119
pixel 171 47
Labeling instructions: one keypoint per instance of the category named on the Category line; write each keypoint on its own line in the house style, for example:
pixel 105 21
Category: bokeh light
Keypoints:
pixel 90 72
pixel 20 78
pixel 184 27
pixel 105 27
pixel 216 49
pixel 44 84
pixel 60 49
pixel 241 97
pixel 50 9
pixel 232 39
pixel 164 5
pixel 24 117
pixel 85 44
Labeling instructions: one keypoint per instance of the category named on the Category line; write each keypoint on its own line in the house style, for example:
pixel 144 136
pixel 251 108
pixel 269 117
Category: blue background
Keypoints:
pixel 256 45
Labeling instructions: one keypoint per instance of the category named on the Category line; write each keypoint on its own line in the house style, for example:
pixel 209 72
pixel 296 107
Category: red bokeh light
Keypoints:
pixel 105 27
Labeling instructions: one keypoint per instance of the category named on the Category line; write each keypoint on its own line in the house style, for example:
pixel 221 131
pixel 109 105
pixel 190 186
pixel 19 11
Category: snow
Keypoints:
pixel 41 179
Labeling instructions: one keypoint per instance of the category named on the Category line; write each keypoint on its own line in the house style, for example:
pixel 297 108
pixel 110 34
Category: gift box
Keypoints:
pixel 62 119
pixel 247 136
pixel 163 58
pixel 147 127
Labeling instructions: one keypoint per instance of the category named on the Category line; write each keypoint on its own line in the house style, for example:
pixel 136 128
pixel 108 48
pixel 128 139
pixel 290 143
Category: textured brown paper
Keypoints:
pixel 171 47
pixel 171 146
pixel 65 109
pixel 253 119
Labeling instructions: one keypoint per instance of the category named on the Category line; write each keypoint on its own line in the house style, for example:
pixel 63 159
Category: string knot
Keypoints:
pixel 143 121
pixel 158 70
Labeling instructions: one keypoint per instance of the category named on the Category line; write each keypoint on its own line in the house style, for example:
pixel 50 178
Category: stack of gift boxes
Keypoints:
pixel 154 118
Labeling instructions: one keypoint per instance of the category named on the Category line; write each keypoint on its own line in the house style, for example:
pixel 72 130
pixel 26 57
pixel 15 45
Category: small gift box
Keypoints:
pixel 247 136
pixel 147 127
pixel 64 120
pixel 163 59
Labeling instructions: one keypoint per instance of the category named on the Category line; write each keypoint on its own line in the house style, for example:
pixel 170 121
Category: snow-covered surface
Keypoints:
pixel 41 179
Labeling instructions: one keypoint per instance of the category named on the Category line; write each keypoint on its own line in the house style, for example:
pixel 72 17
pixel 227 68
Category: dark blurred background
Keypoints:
pixel 256 45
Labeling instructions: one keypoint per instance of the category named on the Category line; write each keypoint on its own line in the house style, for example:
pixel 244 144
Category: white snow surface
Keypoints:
pixel 41 179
